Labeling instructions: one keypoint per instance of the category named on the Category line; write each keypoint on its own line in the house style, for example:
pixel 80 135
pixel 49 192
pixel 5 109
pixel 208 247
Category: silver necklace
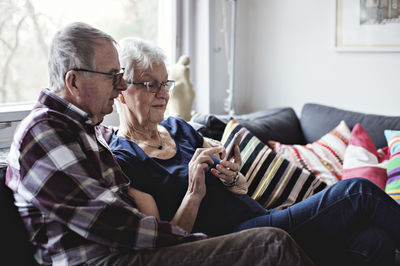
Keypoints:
pixel 159 146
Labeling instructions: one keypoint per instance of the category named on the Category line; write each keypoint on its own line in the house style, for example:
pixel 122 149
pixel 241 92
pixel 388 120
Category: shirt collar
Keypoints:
pixel 55 102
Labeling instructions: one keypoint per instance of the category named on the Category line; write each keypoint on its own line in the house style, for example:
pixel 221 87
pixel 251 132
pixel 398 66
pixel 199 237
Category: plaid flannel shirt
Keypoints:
pixel 70 191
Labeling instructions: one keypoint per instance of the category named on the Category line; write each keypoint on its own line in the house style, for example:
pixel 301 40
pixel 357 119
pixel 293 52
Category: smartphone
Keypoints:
pixel 235 140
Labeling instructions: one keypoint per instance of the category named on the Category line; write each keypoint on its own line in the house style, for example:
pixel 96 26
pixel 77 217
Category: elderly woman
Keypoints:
pixel 162 158
pixel 168 163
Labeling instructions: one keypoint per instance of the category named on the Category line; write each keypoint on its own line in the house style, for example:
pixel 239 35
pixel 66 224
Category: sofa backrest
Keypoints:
pixel 316 120
pixel 279 124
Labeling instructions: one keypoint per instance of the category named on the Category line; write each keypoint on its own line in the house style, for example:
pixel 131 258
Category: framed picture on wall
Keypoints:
pixel 368 25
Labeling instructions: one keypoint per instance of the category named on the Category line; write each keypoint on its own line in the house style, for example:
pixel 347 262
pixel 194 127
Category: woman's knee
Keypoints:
pixel 357 181
pixel 369 246
pixel 359 184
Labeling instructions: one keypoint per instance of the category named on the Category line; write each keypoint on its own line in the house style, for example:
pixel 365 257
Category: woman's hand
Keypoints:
pixel 227 170
pixel 198 164
pixel 186 214
pixel 208 143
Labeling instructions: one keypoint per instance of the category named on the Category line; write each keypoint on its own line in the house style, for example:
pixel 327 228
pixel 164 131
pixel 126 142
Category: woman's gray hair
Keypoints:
pixel 135 52
pixel 73 47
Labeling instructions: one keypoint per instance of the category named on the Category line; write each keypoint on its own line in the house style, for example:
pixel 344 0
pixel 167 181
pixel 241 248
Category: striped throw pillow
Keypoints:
pixel 323 158
pixel 393 169
pixel 272 180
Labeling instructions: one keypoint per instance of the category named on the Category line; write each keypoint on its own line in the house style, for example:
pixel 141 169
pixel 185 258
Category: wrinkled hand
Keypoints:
pixel 197 166
pixel 215 143
pixel 227 170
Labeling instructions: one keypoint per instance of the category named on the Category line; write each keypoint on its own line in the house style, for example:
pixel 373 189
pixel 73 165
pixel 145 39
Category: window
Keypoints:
pixel 27 28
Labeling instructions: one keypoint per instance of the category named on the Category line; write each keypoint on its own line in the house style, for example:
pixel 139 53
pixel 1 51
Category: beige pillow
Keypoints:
pixel 323 157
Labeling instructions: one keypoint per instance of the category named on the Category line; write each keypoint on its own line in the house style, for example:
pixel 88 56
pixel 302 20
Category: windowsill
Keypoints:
pixel 10 116
pixel 14 112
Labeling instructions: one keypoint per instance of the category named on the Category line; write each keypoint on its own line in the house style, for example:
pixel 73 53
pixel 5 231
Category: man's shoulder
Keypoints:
pixel 35 129
pixel 42 119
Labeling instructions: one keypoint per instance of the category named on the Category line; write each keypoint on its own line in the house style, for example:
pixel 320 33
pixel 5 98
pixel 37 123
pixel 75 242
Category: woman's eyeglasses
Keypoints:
pixel 154 87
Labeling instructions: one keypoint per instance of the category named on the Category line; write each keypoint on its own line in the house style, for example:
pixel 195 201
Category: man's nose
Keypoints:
pixel 122 85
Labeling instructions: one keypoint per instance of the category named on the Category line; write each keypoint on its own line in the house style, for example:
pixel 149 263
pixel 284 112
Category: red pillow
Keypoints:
pixel 362 159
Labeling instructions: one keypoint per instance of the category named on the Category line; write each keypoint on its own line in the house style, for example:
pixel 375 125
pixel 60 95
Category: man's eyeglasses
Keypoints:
pixel 117 77
pixel 154 87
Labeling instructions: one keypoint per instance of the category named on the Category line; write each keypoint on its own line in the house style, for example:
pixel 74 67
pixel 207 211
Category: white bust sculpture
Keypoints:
pixel 182 96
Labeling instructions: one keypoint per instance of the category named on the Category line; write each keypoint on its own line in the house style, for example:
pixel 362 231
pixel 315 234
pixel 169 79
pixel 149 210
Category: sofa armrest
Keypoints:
pixel 14 237
pixel 316 120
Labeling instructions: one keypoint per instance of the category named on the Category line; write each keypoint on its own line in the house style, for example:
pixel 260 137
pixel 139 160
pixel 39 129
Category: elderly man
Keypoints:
pixel 71 193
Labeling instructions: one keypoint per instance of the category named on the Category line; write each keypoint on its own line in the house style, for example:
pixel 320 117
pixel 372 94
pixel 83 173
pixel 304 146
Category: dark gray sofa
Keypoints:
pixel 280 124
pixel 283 125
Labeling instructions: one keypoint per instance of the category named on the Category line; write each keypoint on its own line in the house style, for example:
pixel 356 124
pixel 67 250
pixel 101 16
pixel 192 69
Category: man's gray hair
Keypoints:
pixel 135 52
pixel 73 47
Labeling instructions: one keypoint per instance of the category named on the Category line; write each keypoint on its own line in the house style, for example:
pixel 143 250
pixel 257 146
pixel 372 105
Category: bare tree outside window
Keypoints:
pixel 27 27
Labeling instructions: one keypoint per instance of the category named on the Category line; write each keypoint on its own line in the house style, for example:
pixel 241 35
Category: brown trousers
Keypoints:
pixel 258 246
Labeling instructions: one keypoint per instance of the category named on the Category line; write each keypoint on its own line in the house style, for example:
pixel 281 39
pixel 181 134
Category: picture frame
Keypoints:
pixel 367 25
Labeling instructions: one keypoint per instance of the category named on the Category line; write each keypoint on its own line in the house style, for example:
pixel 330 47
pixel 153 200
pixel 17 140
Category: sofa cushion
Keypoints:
pixel 280 124
pixel 208 125
pixel 393 169
pixel 323 157
pixel 317 119
pixel 272 180
pixel 362 159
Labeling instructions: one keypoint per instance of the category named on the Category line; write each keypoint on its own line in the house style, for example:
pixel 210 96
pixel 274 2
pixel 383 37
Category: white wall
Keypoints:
pixel 285 56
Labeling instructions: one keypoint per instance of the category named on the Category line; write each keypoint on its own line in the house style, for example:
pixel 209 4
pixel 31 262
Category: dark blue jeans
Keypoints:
pixel 350 223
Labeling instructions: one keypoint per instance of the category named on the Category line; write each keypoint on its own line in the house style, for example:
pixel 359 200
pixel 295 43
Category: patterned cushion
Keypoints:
pixel 272 180
pixel 323 158
pixel 393 169
pixel 362 159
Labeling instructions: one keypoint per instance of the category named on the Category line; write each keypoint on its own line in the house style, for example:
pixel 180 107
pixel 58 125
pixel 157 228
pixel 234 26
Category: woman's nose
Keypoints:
pixel 163 92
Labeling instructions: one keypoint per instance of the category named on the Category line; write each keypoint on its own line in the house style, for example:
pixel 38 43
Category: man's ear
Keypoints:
pixel 71 81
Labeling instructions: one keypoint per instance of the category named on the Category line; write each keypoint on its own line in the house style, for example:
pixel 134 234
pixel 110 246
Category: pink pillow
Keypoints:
pixel 362 159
